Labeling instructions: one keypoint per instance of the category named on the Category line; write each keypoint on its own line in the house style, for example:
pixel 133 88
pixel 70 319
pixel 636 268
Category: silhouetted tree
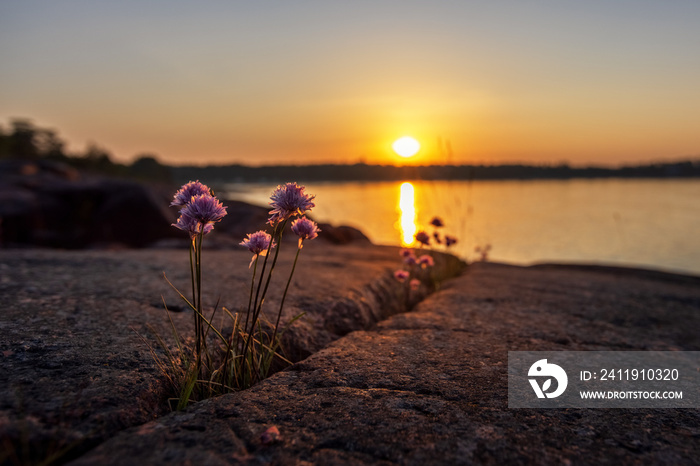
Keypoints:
pixel 49 145
pixel 23 142
pixel 147 167
pixel 26 141
pixel 95 159
pixel 4 144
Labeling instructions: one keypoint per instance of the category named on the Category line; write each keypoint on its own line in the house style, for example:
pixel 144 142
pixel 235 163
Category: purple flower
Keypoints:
pixel 422 237
pixel 415 284
pixel 205 208
pixel 188 190
pixel 191 225
pixel 289 200
pixel 426 261
pixel 257 242
pixel 450 240
pixel 401 275
pixel 408 256
pixel 199 215
pixel 437 222
pixel 305 229
pixel 436 237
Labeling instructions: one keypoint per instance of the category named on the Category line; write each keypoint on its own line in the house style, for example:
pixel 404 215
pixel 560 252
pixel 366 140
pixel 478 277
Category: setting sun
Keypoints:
pixel 406 146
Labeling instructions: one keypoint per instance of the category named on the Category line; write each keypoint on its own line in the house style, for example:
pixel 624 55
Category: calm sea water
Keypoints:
pixel 648 223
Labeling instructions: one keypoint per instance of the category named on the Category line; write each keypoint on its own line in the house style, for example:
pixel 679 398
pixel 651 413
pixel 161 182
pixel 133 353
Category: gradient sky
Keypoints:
pixel 587 82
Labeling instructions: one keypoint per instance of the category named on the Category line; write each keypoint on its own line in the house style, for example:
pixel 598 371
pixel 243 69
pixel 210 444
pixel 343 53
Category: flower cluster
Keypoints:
pixel 416 267
pixel 217 363
pixel 424 238
pixel 418 270
pixel 187 191
pixel 289 200
pixel 200 209
pixel 401 275
pixel 437 222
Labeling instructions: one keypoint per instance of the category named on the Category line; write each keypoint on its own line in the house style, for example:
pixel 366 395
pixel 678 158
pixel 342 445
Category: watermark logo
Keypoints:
pixel 543 369
pixel 603 379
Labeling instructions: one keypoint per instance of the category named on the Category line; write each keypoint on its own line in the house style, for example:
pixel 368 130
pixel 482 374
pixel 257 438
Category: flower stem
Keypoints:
pixel 257 307
pixel 284 296
pixel 252 286
pixel 198 320
pixel 272 267
pixel 262 273
pixel 192 272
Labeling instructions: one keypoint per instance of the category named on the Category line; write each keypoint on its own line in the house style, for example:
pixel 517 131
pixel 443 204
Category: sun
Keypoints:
pixel 406 146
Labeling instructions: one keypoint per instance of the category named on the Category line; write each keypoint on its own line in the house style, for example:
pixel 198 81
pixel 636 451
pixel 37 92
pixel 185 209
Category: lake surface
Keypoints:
pixel 652 223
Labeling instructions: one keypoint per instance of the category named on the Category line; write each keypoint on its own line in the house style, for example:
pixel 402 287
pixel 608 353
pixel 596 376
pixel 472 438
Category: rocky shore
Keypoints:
pixel 372 384
pixel 381 374
pixel 48 204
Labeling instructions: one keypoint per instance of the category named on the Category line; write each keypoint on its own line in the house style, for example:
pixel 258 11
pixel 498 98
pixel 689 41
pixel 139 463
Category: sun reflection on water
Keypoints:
pixel 407 208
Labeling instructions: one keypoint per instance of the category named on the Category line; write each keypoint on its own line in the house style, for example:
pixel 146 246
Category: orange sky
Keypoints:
pixel 307 82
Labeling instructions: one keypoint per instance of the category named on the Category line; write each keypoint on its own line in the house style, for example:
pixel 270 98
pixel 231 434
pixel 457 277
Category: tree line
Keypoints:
pixel 26 141
pixel 364 172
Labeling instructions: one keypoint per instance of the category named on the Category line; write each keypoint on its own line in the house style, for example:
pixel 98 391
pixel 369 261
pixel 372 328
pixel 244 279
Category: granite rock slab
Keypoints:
pixel 430 386
pixel 76 327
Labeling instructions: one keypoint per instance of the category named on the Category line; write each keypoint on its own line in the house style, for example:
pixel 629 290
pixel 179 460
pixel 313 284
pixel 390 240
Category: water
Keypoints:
pixel 649 223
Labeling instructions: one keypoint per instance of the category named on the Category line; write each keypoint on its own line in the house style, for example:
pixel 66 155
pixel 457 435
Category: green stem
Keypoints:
pixel 252 286
pixel 262 273
pixel 192 272
pixel 257 307
pixel 194 260
pixel 272 267
pixel 284 296
pixel 198 325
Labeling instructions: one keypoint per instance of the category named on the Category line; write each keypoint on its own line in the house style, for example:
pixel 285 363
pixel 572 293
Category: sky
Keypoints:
pixel 535 81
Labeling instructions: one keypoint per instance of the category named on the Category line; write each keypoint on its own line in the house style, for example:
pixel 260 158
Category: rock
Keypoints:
pixel 74 361
pixel 430 386
pixel 50 205
pixel 131 214
pixel 341 234
pixel 45 204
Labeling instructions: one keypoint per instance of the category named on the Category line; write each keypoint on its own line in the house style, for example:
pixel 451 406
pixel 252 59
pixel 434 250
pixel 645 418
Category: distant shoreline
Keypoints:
pixel 366 172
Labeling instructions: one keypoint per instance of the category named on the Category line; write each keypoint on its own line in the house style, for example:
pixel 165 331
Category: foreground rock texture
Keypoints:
pixel 75 367
pixel 423 387
pixel 430 386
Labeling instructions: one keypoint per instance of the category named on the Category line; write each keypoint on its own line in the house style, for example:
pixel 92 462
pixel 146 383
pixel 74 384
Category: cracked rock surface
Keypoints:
pixel 430 386
pixel 74 365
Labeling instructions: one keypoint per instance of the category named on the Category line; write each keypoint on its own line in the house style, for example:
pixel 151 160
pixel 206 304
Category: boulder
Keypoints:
pixel 45 204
